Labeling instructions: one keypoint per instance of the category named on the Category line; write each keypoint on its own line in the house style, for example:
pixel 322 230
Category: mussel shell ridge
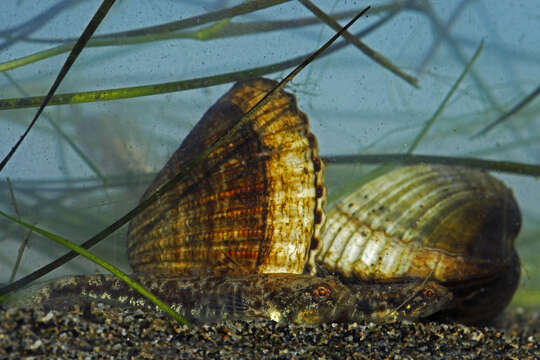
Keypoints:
pixel 448 223
pixel 254 205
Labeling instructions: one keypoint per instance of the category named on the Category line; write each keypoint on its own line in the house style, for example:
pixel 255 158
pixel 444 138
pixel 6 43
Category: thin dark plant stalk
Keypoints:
pixel 20 252
pixel 63 135
pixel 438 41
pixel 514 110
pixel 73 55
pixel 447 98
pixel 12 198
pixel 426 8
pixel 509 167
pixel 22 31
pixel 366 50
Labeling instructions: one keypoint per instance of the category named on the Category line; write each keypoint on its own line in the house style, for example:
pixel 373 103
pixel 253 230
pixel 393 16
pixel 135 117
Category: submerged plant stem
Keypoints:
pixel 162 88
pixel 372 54
pixel 104 264
pixel 441 107
pixel 73 55
pixel 509 167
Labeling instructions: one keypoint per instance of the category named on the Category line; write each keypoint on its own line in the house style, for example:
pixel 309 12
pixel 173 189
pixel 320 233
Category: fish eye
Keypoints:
pixel 322 292
pixel 428 293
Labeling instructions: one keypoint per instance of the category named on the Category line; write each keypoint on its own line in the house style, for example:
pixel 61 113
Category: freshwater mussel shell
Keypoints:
pixel 450 224
pixel 253 205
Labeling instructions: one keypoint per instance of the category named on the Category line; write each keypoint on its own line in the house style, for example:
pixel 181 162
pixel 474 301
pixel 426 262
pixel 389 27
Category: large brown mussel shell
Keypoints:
pixel 254 205
pixel 451 224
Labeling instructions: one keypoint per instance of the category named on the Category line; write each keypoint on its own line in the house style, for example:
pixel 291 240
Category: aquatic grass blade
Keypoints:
pixel 104 264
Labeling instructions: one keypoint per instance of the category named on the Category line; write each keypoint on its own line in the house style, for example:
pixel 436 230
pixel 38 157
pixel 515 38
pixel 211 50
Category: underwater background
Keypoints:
pixel 86 164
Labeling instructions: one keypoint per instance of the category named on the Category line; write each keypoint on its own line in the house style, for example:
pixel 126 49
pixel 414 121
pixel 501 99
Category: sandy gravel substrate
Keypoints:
pixel 102 331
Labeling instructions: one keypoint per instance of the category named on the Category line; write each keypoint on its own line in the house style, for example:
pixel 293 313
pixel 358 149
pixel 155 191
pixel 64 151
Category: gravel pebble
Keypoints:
pixel 105 332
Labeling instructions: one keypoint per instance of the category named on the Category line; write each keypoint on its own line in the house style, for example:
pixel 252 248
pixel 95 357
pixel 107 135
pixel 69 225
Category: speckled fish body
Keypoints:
pixel 383 303
pixel 284 298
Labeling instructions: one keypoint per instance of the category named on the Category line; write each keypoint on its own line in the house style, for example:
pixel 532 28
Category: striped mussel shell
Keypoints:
pixel 450 224
pixel 253 205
